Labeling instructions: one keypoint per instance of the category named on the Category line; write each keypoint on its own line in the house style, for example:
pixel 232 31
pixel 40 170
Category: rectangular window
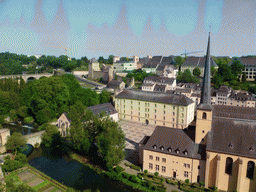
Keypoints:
pixel 139 103
pixel 188 165
pixel 164 106
pixel 163 169
pixel 155 110
pixel 150 157
pixel 131 112
pixel 139 113
pixel 157 158
pixel 185 174
pixel 131 102
pixel 124 111
pixel 157 167
pixel 131 107
pixel 124 106
pixel 185 165
pixel 164 160
pixel 164 117
pixel 164 112
pixel 150 166
pixel 155 105
pixel 173 113
pixel 173 119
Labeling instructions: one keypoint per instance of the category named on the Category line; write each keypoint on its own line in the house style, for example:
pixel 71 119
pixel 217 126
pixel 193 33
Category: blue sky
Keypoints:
pixel 133 27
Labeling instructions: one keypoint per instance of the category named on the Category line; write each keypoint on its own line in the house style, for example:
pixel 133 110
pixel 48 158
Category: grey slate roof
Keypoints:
pixel 233 137
pixel 176 139
pixel 246 61
pixel 234 112
pixel 147 84
pixel 182 90
pixel 159 80
pixel 166 61
pixel 197 62
pixel 108 108
pixel 160 88
pixel 155 97
pixel 154 62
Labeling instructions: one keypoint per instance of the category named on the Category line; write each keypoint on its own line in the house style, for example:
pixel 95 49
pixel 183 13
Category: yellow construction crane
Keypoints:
pixel 66 49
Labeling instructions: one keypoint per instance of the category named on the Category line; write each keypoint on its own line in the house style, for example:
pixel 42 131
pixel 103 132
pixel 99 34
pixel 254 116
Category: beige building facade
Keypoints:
pixel 155 108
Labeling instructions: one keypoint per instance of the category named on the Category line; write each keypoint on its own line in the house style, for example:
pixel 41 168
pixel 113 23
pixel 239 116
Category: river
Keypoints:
pixel 73 173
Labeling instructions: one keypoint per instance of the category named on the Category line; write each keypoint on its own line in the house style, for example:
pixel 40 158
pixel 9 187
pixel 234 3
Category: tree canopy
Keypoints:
pixel 14 142
pixel 139 74
pixel 187 77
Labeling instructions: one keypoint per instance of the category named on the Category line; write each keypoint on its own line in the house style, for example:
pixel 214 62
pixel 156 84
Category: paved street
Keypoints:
pixel 134 133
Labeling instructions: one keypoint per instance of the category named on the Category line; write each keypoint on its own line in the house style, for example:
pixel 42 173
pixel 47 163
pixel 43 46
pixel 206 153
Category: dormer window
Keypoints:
pixel 251 148
pixel 185 152
pixel 162 148
pixel 154 146
pixel 177 151
pixel 230 145
pixel 169 149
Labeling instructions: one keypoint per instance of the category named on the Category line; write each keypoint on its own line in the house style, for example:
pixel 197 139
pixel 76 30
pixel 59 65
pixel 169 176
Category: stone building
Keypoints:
pixel 220 150
pixel 95 72
pixel 152 64
pixel 250 67
pixel 63 124
pixel 192 62
pixel 155 108
pixel 158 84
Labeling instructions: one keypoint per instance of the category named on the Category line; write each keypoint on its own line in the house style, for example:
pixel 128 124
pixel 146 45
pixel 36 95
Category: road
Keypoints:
pixel 89 82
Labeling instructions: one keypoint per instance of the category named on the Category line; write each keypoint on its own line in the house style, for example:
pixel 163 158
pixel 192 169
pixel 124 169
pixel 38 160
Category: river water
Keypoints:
pixel 72 173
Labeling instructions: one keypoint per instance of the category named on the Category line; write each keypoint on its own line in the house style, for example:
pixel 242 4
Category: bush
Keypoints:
pixel 174 191
pixel 7 157
pixel 21 158
pixel 187 181
pixel 11 165
pixel 153 188
pixel 37 145
pixel 215 188
pixel 119 169
pixel 139 176
pixel 201 183
pixel 134 179
pixel 125 175
pixel 156 174
pixel 133 167
pixel 145 171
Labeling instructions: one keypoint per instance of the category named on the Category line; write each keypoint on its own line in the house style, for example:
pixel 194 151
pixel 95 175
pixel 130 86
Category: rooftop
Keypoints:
pixel 197 62
pixel 155 97
pixel 231 136
pixel 173 141
pixel 108 108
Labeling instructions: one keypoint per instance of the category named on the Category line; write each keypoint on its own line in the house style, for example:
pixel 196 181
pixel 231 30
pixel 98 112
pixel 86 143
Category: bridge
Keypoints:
pixel 34 138
pixel 27 77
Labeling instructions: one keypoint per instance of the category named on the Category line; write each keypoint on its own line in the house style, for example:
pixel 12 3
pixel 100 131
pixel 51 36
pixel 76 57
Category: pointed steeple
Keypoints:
pixel 205 102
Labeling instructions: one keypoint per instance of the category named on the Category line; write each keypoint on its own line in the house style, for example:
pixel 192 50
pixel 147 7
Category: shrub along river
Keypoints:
pixel 72 173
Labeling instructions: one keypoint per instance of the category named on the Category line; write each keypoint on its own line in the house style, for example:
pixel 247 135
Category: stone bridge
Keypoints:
pixel 27 77
pixel 34 138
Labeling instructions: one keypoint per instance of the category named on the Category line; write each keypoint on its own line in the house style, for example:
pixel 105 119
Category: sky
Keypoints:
pixel 94 28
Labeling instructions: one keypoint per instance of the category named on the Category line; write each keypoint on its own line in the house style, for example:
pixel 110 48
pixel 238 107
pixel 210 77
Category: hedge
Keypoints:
pixel 133 166
pixel 119 169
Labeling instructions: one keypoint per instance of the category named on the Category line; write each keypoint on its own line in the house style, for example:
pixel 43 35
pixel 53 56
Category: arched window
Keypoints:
pixel 204 115
pixel 250 169
pixel 229 163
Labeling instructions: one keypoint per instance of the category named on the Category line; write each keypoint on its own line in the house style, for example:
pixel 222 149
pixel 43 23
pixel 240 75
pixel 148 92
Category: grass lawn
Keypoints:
pixel 39 186
pixel 47 183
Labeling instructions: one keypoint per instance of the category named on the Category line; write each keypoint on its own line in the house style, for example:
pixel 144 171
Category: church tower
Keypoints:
pixel 204 110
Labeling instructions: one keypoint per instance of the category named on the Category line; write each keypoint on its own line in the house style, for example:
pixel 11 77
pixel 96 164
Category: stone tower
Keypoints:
pixel 204 110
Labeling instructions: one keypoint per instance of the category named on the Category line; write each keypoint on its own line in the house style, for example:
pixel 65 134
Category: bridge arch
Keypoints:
pixel 30 79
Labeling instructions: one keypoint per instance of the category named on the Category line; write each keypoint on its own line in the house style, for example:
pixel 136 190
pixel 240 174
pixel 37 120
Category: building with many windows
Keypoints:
pixel 250 67
pixel 155 108
pixel 220 150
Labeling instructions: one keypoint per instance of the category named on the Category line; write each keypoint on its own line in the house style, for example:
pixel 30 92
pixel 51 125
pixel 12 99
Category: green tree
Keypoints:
pixel 244 77
pixel 14 142
pixel 179 61
pixel 196 72
pixel 111 142
pixel 237 67
pixel 47 137
pixel 213 71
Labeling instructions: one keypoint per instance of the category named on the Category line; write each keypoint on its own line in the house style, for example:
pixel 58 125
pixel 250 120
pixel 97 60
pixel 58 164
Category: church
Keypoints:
pixel 219 150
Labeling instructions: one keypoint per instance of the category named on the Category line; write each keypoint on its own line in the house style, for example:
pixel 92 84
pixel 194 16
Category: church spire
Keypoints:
pixel 205 102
